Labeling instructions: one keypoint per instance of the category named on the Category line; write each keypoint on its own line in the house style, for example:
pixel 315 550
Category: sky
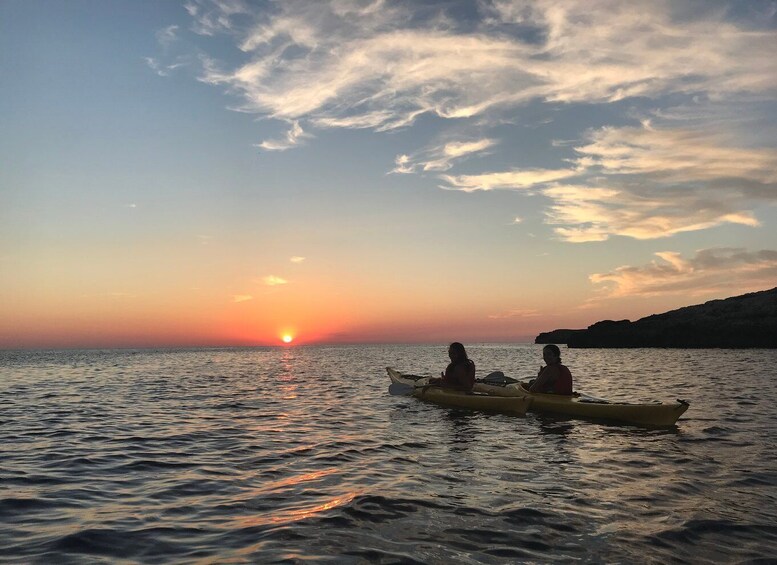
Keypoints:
pixel 225 172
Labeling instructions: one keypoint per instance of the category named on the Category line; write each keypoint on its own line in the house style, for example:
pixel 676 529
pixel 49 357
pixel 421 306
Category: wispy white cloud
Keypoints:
pixel 293 137
pixel 167 36
pixel 441 158
pixel 242 298
pixel 215 16
pixel 644 182
pixel 595 214
pixel 272 280
pixel 168 39
pixel 676 155
pixel 383 81
pixel 607 50
pixel 381 65
pixel 403 165
pixel 709 271
pixel 341 64
pixel 156 66
pixel 657 182
pixel 297 259
pixel 164 70
pixel 516 179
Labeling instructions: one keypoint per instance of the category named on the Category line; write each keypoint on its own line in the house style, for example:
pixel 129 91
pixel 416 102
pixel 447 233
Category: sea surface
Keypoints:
pixel 300 455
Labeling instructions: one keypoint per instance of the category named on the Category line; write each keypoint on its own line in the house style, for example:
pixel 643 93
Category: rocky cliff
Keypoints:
pixel 743 321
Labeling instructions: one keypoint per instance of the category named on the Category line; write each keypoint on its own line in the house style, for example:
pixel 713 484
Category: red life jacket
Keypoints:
pixel 563 383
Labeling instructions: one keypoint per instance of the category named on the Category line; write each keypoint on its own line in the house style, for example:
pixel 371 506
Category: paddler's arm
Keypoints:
pixel 544 378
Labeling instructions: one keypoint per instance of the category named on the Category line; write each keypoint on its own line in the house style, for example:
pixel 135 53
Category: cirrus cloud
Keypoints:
pixel 441 158
pixel 645 182
pixel 709 271
pixel 515 179
pixel 656 182
pixel 293 137
pixel 676 155
pixel 381 65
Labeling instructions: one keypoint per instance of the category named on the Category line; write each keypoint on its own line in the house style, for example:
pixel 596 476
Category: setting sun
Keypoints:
pixel 287 338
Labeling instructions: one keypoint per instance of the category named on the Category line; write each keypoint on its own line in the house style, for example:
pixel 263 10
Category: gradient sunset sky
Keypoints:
pixel 225 172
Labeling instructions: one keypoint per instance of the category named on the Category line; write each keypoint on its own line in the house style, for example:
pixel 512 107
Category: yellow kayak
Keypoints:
pixel 420 388
pixel 656 414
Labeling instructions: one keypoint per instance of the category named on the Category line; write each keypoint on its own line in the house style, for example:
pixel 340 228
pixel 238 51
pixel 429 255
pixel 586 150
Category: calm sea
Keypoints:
pixel 300 455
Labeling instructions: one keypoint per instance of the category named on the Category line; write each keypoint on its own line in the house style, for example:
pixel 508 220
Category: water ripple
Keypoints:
pixel 300 455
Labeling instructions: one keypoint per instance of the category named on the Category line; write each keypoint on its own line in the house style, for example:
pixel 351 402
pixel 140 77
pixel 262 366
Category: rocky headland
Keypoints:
pixel 747 321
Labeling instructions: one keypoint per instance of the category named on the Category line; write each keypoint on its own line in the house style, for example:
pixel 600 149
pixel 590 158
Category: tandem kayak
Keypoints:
pixel 656 414
pixel 420 388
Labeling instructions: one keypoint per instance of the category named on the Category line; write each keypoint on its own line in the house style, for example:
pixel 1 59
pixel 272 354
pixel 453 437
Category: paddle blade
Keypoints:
pixel 498 378
pixel 400 389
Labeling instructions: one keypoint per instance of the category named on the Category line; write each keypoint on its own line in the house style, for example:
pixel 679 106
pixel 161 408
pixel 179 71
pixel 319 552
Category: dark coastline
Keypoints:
pixel 739 322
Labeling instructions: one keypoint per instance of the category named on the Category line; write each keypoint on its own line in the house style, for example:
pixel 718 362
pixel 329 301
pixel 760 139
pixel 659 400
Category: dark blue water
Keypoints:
pixel 300 455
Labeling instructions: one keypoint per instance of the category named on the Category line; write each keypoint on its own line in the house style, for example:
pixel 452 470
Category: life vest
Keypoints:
pixel 467 381
pixel 563 382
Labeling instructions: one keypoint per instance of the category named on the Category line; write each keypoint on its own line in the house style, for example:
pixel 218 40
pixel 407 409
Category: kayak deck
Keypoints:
pixel 421 389
pixel 656 414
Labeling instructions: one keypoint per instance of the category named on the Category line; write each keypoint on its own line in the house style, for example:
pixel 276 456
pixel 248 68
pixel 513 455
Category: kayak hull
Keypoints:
pixel 514 405
pixel 656 414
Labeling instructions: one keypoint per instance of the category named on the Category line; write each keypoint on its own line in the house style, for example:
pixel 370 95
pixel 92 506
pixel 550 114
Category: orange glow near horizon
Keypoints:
pixel 155 313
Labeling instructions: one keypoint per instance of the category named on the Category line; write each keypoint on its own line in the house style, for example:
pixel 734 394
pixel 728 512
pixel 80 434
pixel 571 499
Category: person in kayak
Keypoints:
pixel 460 373
pixel 554 377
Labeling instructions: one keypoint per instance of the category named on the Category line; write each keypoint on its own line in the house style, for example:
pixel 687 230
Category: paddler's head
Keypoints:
pixel 551 354
pixel 457 352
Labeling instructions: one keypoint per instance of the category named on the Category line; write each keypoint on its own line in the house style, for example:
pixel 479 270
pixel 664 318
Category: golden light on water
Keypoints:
pixel 297 509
